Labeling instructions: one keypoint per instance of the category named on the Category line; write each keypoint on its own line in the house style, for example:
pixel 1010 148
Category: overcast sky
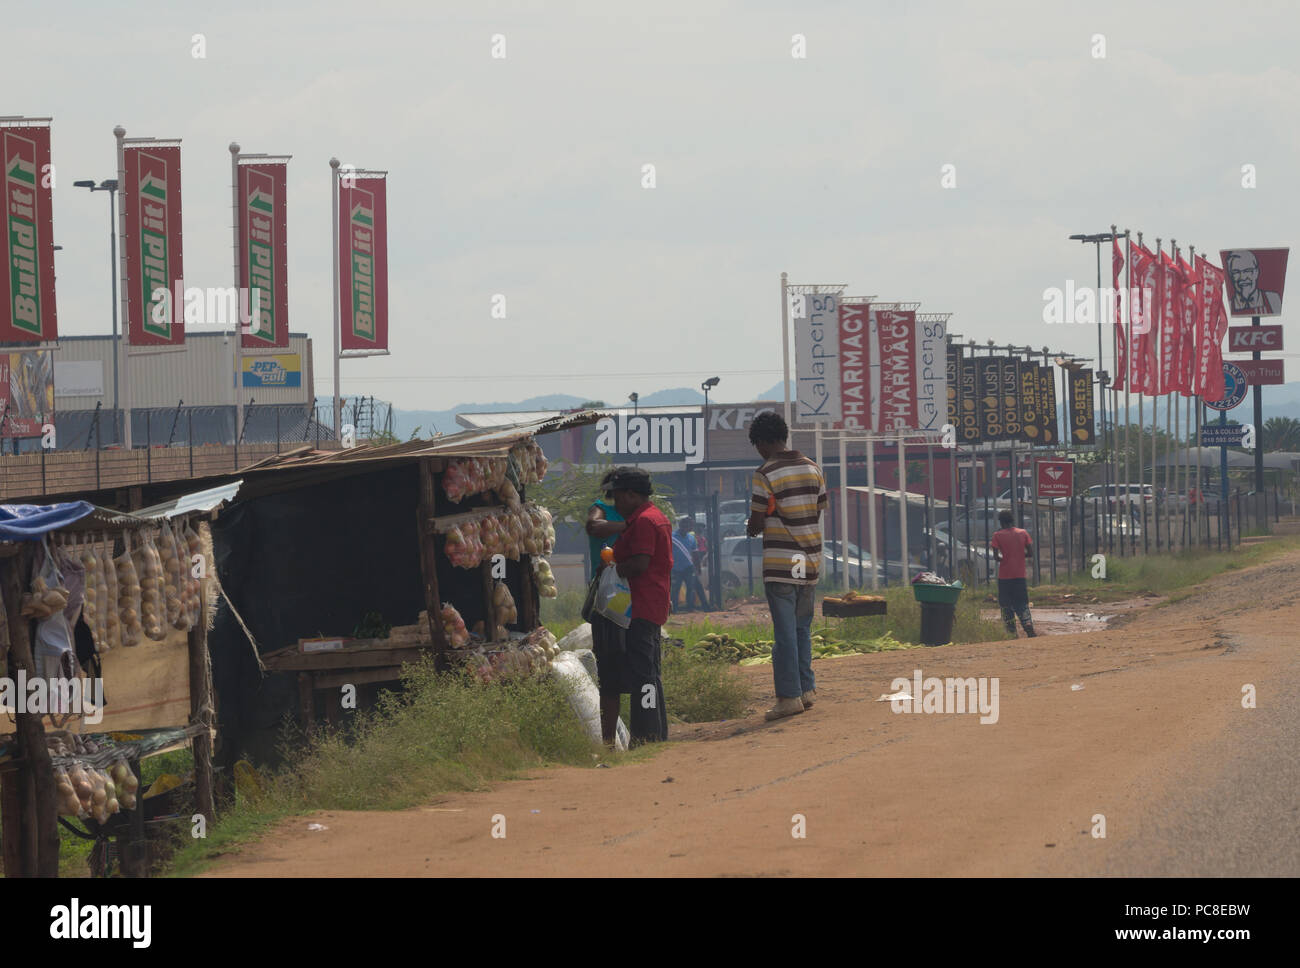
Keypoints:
pixel 523 176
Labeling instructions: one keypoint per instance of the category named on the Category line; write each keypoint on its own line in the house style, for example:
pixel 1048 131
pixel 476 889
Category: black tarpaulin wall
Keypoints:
pixel 302 563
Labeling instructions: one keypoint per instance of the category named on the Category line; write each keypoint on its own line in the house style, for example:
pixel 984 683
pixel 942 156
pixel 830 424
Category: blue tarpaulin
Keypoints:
pixel 27 522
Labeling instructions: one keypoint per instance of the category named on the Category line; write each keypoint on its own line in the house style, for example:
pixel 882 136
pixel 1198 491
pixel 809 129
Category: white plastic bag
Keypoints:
pixel 579 638
pixel 614 598
pixel 584 697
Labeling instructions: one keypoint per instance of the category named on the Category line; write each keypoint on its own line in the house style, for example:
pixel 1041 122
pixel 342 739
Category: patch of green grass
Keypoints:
pixel 443 733
pixel 563 614
pixel 698 689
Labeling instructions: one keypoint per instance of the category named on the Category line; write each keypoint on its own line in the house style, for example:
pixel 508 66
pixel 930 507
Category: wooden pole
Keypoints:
pixel 202 712
pixel 429 555
pixel 44 831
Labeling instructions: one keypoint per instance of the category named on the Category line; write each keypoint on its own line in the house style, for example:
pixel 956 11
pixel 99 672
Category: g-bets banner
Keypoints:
pixel 151 202
pixel 27 312
pixel 363 263
pixel 264 252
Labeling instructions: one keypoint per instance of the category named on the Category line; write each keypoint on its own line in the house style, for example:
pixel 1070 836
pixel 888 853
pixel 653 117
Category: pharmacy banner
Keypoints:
pixel 855 367
pixel 264 253
pixel 27 312
pixel 912 377
pixel 151 203
pixel 363 262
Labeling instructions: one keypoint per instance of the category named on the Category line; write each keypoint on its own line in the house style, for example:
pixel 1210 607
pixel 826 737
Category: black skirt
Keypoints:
pixel 609 644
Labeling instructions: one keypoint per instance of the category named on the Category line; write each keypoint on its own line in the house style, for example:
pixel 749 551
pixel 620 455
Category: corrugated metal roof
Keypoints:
pixel 101 518
pixel 484 442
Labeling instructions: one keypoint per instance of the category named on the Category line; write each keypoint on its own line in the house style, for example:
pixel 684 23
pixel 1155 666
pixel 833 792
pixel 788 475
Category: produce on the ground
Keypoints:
pixel 720 645
pixel 454 626
pixel 531 655
pixel 853 596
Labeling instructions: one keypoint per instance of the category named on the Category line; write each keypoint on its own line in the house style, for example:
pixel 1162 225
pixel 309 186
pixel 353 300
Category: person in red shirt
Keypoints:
pixel 1010 545
pixel 643 555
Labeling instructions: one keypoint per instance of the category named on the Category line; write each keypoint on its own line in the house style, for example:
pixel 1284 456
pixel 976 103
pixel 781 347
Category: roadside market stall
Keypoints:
pixel 342 567
pixel 103 639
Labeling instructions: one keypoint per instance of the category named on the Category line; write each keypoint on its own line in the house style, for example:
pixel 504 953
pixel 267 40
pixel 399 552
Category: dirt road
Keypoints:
pixel 1156 742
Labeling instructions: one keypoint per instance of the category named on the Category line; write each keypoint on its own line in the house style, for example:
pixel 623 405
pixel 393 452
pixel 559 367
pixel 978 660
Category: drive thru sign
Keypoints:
pixel 1055 478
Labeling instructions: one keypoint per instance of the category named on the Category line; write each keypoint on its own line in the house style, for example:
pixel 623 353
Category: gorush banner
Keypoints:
pixel 28 314
pixel 264 253
pixel 151 203
pixel 363 262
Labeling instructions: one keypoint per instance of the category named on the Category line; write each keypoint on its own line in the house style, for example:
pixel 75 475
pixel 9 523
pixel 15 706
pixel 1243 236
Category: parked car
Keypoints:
pixel 731 525
pixel 736 570
pixel 971 560
pixel 1130 494
pixel 1027 497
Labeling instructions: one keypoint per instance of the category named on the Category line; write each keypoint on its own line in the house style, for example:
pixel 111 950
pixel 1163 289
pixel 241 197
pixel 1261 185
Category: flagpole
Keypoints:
pixel 871 510
pixel 239 323
pixel 1128 385
pixel 338 336
pixel 1116 325
pixel 785 341
pixel 123 349
pixel 844 508
pixel 1192 512
pixel 1173 359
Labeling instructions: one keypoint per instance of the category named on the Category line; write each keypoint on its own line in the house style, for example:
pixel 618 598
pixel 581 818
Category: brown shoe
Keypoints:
pixel 809 698
pixel 783 708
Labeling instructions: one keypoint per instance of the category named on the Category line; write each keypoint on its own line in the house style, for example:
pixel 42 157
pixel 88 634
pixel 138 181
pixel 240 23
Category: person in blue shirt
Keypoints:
pixel 684 547
pixel 604 525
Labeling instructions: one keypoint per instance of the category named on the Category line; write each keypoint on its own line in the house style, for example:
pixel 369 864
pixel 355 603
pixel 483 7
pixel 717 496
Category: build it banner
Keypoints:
pixel 151 202
pixel 363 262
pixel 264 253
pixel 27 313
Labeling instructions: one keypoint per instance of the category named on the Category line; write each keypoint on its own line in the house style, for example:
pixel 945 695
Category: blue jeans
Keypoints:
pixel 792 616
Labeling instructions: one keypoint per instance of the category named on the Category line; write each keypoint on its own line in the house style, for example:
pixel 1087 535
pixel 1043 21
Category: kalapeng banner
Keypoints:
pixel 264 253
pixel 1079 408
pixel 816 318
pixel 27 311
pixel 151 204
pixel 363 262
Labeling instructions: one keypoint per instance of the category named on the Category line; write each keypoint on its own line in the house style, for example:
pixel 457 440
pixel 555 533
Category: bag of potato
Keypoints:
pixel 128 596
pixel 148 566
pixel 108 575
pixel 174 605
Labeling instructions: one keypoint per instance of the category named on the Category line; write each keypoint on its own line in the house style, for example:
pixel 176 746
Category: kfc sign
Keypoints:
pixel 1248 339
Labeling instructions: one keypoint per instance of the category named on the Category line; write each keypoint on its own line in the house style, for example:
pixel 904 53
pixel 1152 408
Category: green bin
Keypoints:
pixel 938 611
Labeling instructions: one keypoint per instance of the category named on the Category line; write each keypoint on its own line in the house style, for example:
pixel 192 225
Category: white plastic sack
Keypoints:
pixel 614 598
pixel 588 660
pixel 584 697
pixel 579 638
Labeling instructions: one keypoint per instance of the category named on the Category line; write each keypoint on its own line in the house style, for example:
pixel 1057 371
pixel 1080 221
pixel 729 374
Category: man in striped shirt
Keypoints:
pixel 789 497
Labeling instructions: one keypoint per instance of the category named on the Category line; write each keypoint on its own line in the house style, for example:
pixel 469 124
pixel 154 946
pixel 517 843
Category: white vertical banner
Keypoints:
pixel 816 352
pixel 931 374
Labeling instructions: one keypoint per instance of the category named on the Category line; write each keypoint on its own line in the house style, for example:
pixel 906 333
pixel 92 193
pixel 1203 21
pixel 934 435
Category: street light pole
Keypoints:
pixel 110 185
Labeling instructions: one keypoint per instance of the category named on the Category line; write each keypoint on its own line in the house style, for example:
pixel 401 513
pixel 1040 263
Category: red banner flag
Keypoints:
pixel 1121 338
pixel 897 336
pixel 1170 328
pixel 1143 373
pixel 363 262
pixel 1187 307
pixel 855 366
pixel 264 253
pixel 27 312
pixel 151 204
pixel 1211 326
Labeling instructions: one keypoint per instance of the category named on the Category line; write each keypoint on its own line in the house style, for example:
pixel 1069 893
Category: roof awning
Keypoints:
pixel 30 522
